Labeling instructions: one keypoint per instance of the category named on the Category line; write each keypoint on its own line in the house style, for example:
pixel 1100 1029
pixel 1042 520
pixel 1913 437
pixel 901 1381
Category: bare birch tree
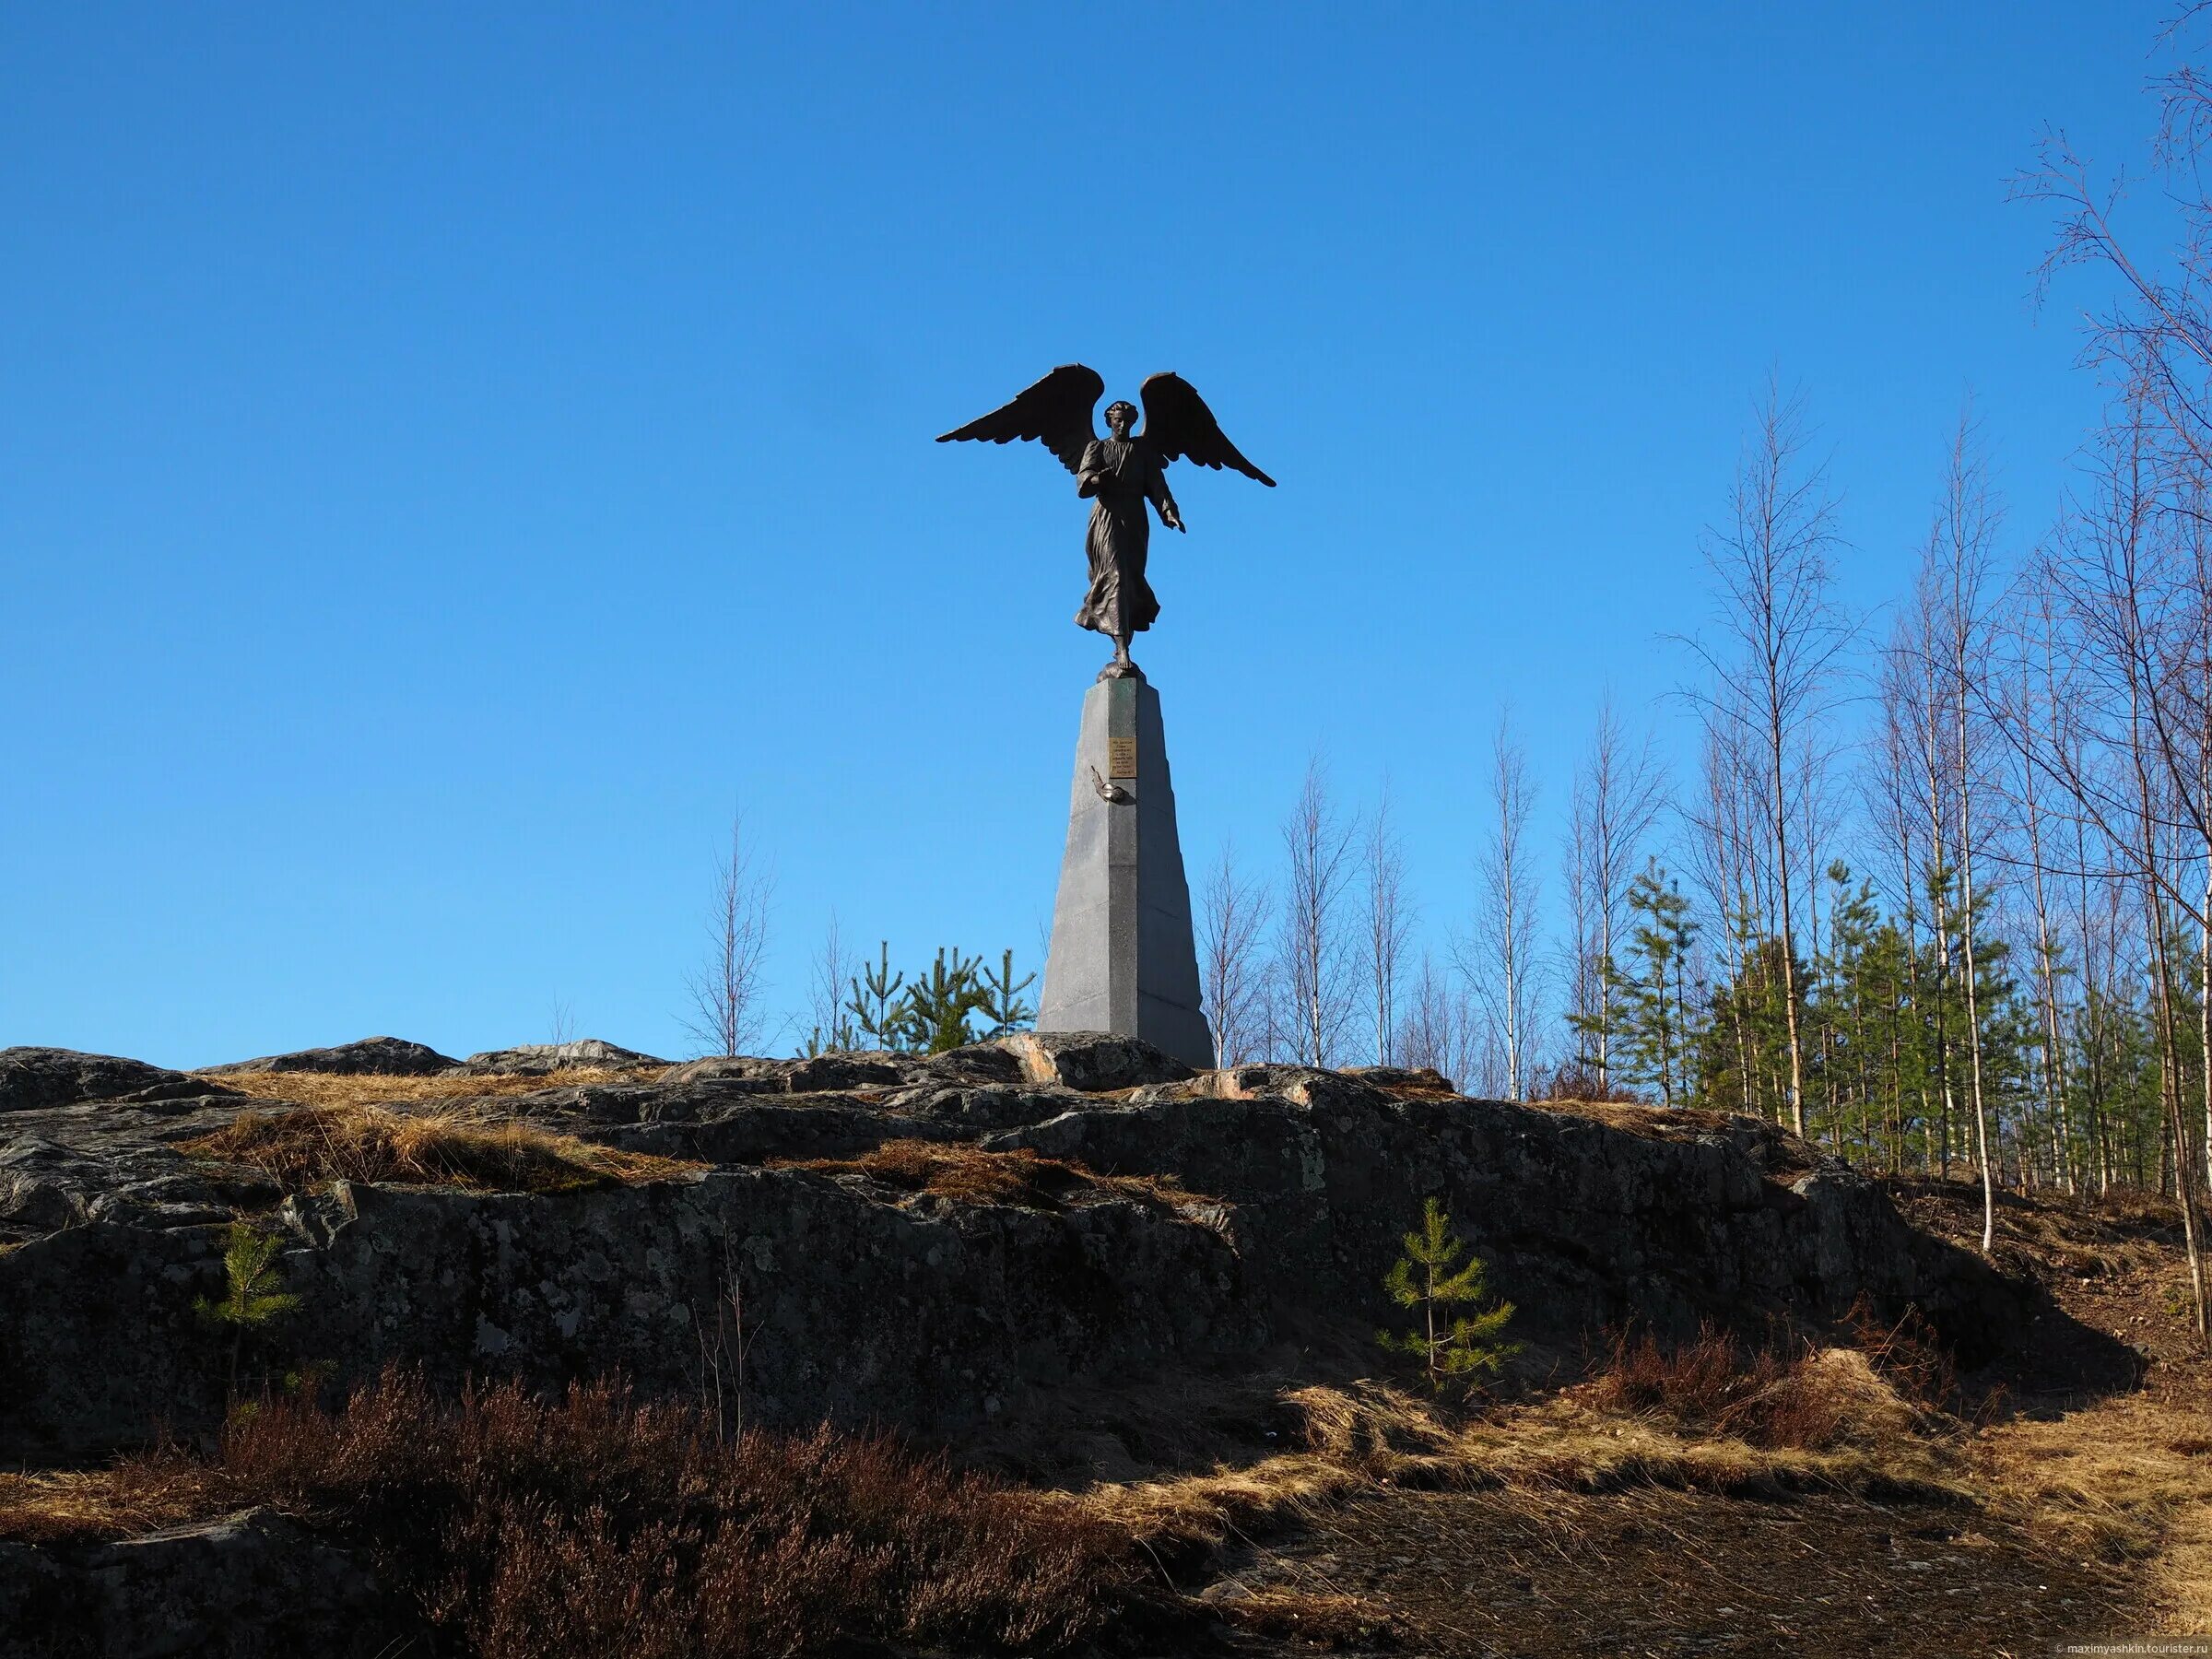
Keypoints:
pixel 726 1012
pixel 2035 707
pixel 1318 972
pixel 828 985
pixel 1232 925
pixel 1433 1029
pixel 1619 791
pixel 1387 932
pixel 1499 957
pixel 1960 551
pixel 2121 576
pixel 1726 834
pixel 1774 650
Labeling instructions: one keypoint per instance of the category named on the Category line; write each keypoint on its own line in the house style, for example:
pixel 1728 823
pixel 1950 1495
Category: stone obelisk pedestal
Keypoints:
pixel 1123 958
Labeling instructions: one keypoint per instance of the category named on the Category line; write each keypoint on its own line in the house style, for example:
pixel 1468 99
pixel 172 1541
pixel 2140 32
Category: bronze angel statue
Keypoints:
pixel 1117 475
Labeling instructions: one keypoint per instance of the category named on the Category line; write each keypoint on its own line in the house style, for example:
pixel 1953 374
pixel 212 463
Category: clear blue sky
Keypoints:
pixel 451 454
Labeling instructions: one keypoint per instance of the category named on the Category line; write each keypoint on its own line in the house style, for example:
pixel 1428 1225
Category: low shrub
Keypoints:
pixel 597 1524
pixel 1571 1081
pixel 1906 1354
pixel 1811 1400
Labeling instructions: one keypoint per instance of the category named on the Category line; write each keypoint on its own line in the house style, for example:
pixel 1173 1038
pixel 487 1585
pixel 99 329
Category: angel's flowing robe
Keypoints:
pixel 1120 477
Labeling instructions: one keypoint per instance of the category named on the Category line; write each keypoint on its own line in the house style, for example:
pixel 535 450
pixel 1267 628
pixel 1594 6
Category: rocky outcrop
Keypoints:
pixel 1679 1219
pixel 371 1057
pixel 35 1078
pixel 253 1586
pixel 540 1059
pixel 892 1305
pixel 1090 1063
pixel 862 1304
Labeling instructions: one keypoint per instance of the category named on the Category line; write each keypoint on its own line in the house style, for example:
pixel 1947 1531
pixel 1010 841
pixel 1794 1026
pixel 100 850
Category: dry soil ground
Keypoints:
pixel 2079 1508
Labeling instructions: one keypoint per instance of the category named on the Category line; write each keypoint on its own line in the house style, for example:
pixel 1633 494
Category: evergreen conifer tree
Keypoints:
pixel 935 1016
pixel 1002 1004
pixel 250 1300
pixel 1455 1349
pixel 874 1004
pixel 1653 1035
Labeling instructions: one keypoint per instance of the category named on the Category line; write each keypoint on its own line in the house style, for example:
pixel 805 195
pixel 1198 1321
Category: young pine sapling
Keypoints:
pixel 938 1002
pixel 1002 1003
pixel 1457 1349
pixel 250 1300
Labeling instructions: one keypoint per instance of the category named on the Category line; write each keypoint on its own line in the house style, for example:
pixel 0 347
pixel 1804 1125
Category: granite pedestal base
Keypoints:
pixel 1123 957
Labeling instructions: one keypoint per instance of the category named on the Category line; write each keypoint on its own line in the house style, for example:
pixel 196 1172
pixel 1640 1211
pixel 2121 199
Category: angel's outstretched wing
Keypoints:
pixel 1056 410
pixel 1179 426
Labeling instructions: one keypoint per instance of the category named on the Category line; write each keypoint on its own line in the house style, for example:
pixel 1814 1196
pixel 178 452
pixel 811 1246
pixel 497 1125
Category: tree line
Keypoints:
pixel 1937 891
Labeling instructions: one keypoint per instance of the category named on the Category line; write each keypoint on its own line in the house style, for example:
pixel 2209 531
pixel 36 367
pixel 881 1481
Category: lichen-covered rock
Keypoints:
pixel 371 1057
pixel 540 1059
pixel 34 1078
pixel 818 1073
pixel 41 1602
pixel 1091 1062
pixel 252 1585
pixel 1589 1225
pixel 867 1305
pixel 65 1165
pixel 905 1307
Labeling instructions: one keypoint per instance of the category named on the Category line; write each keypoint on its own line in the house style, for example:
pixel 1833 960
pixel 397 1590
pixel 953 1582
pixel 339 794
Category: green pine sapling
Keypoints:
pixel 938 1003
pixel 251 1299
pixel 1455 1349
pixel 876 1004
pixel 1002 1004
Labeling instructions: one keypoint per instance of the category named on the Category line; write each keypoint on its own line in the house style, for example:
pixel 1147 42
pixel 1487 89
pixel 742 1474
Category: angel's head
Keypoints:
pixel 1119 418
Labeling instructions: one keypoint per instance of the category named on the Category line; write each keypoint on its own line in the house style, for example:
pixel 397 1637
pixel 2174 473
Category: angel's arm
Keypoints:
pixel 1090 472
pixel 1163 501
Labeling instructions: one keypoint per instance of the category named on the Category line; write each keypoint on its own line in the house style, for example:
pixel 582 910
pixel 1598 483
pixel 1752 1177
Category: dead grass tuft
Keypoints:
pixel 1813 1400
pixel 325 1088
pixel 1368 1435
pixel 1650 1123
pixel 968 1174
pixel 309 1145
pixel 1325 1620
pixel 86 1506
pixel 525 1529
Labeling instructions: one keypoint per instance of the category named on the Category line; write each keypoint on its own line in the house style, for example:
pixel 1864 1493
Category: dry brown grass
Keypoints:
pixel 1319 1619
pixel 85 1506
pixel 1650 1123
pixel 324 1089
pixel 2046 1235
pixel 968 1174
pixel 594 1525
pixel 1422 1083
pixel 2113 1480
pixel 309 1145
pixel 1811 1399
pixel 1370 1436
pixel 2118 1477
